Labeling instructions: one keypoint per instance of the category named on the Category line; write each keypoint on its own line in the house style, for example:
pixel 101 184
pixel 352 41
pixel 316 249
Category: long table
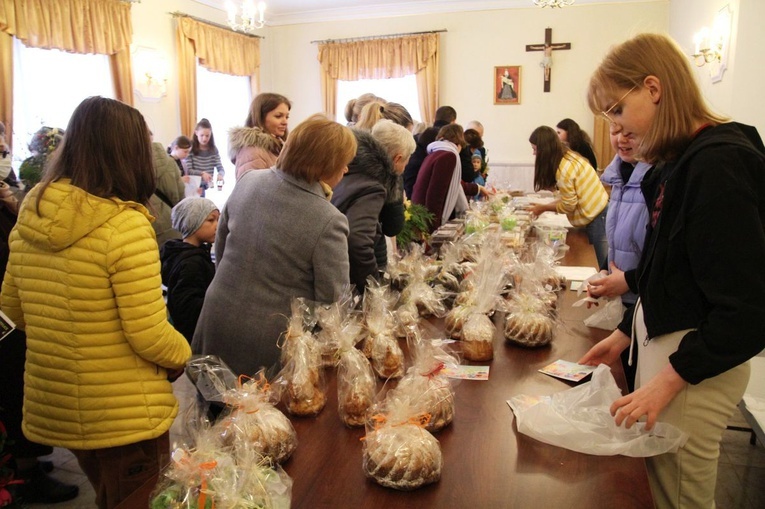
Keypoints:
pixel 487 463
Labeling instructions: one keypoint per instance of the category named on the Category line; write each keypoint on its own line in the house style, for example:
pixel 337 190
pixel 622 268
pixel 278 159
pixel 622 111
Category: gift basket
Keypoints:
pixel 211 477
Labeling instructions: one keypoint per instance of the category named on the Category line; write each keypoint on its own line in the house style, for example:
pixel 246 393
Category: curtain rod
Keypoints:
pixel 178 14
pixel 369 37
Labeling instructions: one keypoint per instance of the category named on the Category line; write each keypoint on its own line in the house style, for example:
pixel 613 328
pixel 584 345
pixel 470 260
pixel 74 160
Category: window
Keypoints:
pixel 399 90
pixel 224 100
pixel 48 85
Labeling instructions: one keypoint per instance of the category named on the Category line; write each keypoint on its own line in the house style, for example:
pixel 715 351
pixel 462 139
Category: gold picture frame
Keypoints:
pixel 507 84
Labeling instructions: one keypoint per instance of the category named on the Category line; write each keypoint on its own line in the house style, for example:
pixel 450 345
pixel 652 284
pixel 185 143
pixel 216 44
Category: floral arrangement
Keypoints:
pixel 6 472
pixel 417 221
pixel 42 145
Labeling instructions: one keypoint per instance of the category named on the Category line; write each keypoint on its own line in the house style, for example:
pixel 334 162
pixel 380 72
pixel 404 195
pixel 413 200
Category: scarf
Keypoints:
pixel 456 201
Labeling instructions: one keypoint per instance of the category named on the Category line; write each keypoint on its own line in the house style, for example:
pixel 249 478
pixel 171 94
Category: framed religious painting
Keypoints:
pixel 507 84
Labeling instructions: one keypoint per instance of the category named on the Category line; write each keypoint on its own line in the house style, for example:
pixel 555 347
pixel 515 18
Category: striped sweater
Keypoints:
pixel 582 195
pixel 205 161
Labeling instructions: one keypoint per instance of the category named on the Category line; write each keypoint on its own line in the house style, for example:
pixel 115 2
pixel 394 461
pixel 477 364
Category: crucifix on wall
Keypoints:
pixel 547 48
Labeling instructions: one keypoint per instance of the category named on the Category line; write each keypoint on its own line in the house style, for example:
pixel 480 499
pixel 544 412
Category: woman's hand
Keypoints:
pixel 612 285
pixel 485 192
pixel 206 177
pixel 606 351
pixel 186 179
pixel 648 400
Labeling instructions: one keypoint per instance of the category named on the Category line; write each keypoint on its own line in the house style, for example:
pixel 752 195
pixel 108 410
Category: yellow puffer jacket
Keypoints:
pixel 83 280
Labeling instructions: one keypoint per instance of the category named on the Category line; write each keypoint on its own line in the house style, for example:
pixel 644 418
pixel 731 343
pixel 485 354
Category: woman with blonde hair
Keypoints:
pixel 372 187
pixel 278 238
pixel 700 314
pixel 378 110
pixel 257 145
pixel 354 106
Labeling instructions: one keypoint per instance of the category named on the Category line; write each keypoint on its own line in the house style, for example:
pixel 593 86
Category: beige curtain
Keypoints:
pixel 6 84
pixel 601 143
pixel 76 26
pixel 218 50
pixel 387 57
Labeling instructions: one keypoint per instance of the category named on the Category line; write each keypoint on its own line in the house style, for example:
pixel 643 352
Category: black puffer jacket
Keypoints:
pixel 187 271
pixel 370 196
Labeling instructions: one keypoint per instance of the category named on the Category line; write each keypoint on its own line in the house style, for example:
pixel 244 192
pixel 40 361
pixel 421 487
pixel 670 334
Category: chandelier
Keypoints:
pixel 553 3
pixel 251 18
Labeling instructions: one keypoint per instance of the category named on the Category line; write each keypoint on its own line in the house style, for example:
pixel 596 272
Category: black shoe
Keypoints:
pixel 39 487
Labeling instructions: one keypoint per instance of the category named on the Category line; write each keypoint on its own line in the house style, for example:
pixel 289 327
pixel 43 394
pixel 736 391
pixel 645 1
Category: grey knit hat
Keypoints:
pixel 189 214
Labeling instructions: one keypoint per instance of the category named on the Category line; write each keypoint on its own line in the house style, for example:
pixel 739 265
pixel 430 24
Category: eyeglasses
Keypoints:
pixel 609 110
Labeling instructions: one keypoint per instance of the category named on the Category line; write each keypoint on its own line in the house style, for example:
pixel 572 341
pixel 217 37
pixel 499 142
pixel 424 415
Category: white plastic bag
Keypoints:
pixel 609 311
pixel 608 316
pixel 579 419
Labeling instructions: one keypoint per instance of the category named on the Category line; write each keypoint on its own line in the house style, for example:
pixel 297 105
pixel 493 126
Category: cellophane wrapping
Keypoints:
pixel 300 323
pixel 528 322
pixel 470 318
pixel 425 383
pixel 330 319
pixel 398 451
pixel 256 423
pixel 300 383
pixel 210 476
pixel 380 345
pixel 356 382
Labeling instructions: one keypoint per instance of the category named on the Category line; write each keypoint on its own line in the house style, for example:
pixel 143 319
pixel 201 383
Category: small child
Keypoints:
pixel 187 268
pixel 477 162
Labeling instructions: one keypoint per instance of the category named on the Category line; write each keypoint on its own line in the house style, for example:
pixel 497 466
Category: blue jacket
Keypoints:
pixel 626 219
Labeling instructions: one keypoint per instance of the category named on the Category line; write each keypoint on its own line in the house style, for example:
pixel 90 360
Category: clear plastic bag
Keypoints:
pixel 398 451
pixel 608 312
pixel 608 316
pixel 380 346
pixel 212 477
pixel 300 383
pixel 256 422
pixel 579 419
pixel 356 382
pixel 425 382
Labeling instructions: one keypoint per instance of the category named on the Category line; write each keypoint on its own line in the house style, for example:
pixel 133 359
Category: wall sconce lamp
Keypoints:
pixel 150 74
pixel 711 46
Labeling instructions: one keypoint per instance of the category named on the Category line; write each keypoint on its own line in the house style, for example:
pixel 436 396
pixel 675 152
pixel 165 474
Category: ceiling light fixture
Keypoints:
pixel 251 18
pixel 553 3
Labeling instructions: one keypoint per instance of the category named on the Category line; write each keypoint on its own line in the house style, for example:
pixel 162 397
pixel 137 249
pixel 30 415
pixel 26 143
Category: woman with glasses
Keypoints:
pixel 701 313
pixel 582 196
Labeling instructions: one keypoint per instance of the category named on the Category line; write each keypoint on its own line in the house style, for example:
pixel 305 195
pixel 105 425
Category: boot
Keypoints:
pixel 39 487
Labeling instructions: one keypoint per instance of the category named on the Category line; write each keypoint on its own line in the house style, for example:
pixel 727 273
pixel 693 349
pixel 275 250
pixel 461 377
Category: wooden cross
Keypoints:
pixel 548 48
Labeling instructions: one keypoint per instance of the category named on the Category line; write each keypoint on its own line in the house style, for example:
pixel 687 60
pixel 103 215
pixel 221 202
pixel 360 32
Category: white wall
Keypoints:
pixel 738 95
pixel 474 43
